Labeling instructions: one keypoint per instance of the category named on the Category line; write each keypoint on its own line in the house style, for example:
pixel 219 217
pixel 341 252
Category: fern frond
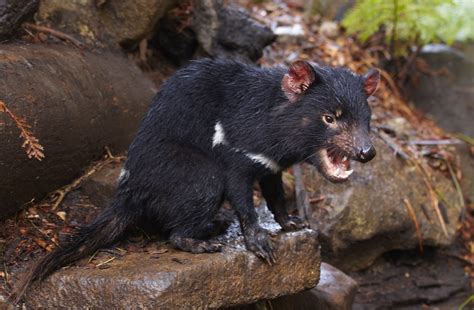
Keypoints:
pixel 30 143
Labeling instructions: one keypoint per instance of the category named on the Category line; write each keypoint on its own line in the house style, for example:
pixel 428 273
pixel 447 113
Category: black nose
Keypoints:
pixel 366 153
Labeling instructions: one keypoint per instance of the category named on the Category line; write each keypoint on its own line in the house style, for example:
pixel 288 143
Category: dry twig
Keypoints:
pixel 392 144
pixel 44 234
pixel 55 33
pixel 105 262
pixel 412 214
pixel 432 193
pixel 465 138
pixel 456 183
pixel 59 195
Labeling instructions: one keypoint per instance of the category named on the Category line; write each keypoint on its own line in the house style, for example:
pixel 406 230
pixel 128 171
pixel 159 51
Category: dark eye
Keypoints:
pixel 328 119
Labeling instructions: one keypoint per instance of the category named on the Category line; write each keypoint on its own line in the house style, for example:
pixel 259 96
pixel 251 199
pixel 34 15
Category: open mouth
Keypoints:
pixel 334 164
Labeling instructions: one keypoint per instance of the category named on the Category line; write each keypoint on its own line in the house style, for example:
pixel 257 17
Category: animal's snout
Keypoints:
pixel 366 153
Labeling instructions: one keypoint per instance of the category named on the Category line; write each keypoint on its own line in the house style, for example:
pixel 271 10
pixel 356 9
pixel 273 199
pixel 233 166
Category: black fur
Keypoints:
pixel 177 181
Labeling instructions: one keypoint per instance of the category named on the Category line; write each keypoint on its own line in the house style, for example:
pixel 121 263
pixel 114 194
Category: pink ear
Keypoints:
pixel 297 80
pixel 371 81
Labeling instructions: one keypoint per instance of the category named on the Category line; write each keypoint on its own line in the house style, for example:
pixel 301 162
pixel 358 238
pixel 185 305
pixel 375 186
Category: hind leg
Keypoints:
pixel 194 240
pixel 188 191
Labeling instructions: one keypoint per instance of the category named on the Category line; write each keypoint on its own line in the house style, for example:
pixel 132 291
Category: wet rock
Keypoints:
pixel 13 13
pixel 111 22
pixel 329 29
pixel 329 9
pixel 77 102
pixel 229 31
pixel 171 279
pixel 434 279
pixel 3 303
pixel 335 291
pixel 466 157
pixel 366 216
pixel 447 97
pixel 176 41
pixel 101 186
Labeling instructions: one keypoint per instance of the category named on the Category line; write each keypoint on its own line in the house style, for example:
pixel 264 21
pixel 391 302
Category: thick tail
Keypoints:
pixel 104 230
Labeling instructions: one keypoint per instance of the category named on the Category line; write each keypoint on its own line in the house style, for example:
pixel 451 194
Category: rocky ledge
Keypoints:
pixel 164 278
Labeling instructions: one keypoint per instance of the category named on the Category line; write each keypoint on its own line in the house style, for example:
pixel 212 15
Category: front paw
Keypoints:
pixel 259 241
pixel 291 222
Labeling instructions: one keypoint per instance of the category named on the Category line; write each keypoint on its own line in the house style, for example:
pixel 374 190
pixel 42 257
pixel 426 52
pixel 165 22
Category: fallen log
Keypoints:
pixel 76 102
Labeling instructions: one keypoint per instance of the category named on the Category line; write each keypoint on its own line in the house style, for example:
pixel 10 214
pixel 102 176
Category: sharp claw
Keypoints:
pixel 265 257
pixel 269 261
pixel 273 256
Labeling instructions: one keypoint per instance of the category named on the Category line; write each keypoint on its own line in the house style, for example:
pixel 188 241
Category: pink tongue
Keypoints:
pixel 338 162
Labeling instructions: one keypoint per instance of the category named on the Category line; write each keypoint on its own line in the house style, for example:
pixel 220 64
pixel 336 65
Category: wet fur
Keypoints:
pixel 176 181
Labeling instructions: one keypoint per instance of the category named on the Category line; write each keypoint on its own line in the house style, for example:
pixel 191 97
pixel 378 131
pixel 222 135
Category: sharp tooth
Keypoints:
pixel 344 158
pixel 345 174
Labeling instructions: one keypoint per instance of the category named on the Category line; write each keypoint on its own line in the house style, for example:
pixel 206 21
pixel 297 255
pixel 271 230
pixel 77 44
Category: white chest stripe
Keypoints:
pixel 124 174
pixel 219 138
pixel 219 135
pixel 264 160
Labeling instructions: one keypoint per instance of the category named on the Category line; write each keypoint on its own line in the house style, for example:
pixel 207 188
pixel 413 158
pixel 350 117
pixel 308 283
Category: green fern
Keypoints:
pixel 412 22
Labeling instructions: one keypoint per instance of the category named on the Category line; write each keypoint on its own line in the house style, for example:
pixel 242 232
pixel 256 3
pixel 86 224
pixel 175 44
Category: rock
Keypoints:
pixel 329 29
pixel 435 279
pixel 101 186
pixel 447 98
pixel 467 169
pixel 365 217
pixel 3 303
pixel 229 31
pixel 111 22
pixel 330 9
pixel 13 13
pixel 171 279
pixel 335 291
pixel 176 41
pixel 77 102
pixel 295 30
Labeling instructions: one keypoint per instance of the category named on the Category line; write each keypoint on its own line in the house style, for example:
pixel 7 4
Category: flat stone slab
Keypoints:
pixel 171 279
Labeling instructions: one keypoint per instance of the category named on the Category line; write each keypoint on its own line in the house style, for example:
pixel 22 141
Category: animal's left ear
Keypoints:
pixel 298 79
pixel 371 81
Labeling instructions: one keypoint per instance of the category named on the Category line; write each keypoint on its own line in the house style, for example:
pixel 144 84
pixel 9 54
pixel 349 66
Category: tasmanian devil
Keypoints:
pixel 215 128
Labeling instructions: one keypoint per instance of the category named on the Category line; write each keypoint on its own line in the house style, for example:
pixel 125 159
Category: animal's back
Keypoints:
pixel 190 103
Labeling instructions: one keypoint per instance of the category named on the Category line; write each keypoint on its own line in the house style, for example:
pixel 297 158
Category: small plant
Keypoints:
pixel 30 142
pixel 409 23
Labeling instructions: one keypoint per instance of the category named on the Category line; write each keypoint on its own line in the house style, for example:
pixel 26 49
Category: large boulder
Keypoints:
pixel 13 13
pixel 446 95
pixel 110 22
pixel 229 31
pixel 77 102
pixel 366 216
